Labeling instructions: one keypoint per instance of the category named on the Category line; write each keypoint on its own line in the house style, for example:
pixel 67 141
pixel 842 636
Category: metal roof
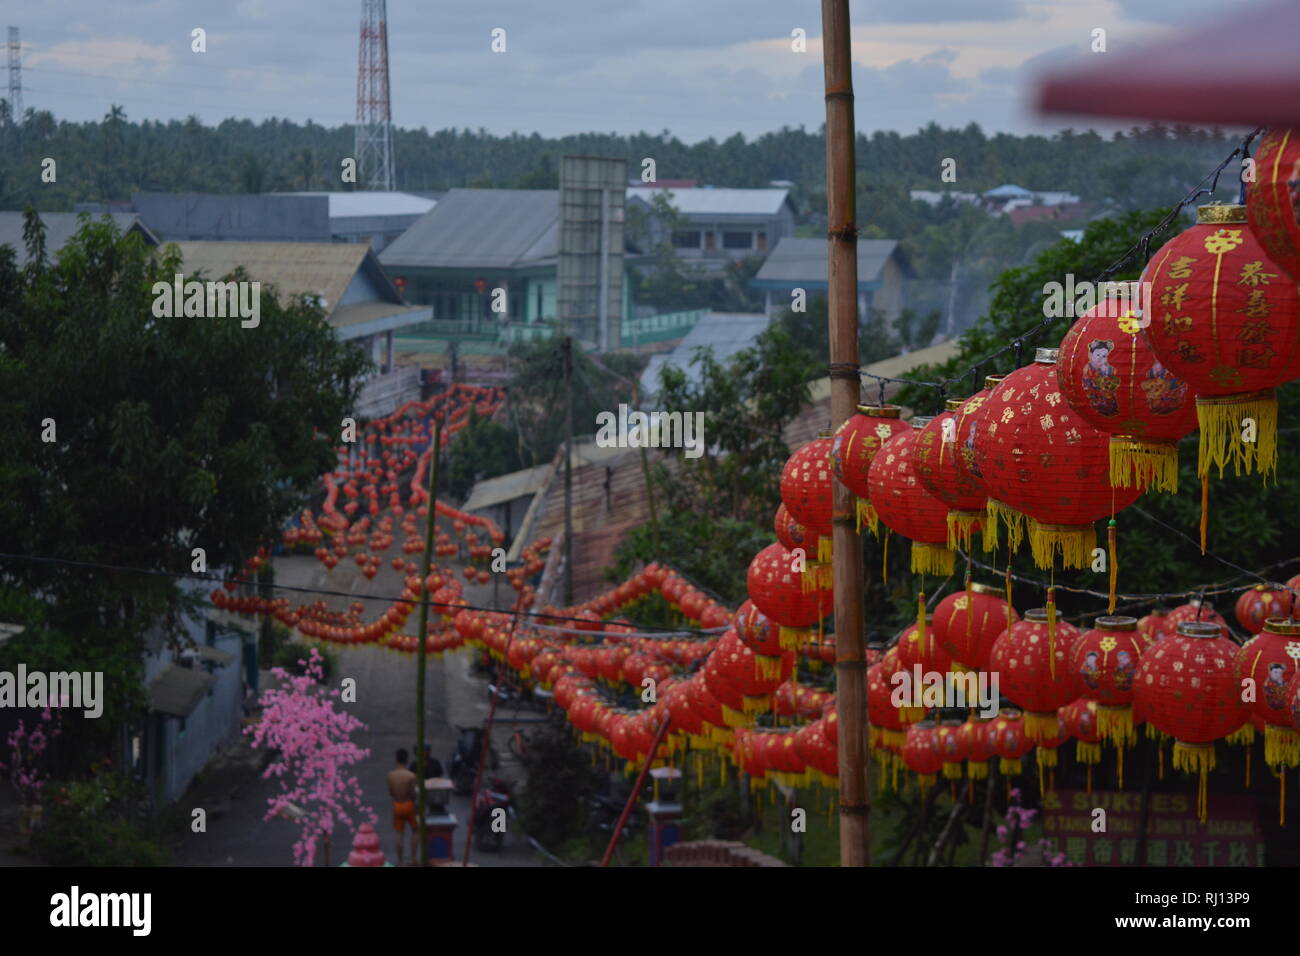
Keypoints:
pixel 707 201
pixel 60 227
pixel 178 690
pixel 481 228
pixel 804 261
pixel 344 205
pixel 495 491
pixel 724 332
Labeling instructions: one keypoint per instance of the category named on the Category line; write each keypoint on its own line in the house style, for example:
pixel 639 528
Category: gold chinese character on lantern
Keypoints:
pixel 1181 268
pixel 1046 422
pixel 1254 331
pixel 1188 352
pixel 883 431
pixel 1253 274
pixel 1054 399
pixel 1223 240
pixel 1255 356
pixel 1177 323
pixel 1257 306
pixel 1008 414
pixel 1174 295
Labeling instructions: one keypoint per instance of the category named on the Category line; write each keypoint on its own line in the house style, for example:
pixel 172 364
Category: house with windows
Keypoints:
pixel 716 226
pixel 883 274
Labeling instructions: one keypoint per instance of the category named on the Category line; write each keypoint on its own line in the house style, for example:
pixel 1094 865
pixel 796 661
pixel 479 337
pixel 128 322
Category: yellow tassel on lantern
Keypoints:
pixel 1242 736
pixel 1011 518
pixel 1116 725
pixel 816 576
pixel 1224 433
pixel 867 516
pixel 1051 635
pixel 1047 756
pixel 1281 746
pixel 1205 509
pixel 977 769
pixel 884 559
pixel 1112 533
pixel 894 738
pixel 1009 768
pixel 1042 726
pixel 961 528
pixel 824 550
pixel 767 668
pixel 931 559
pixel 790 637
pixel 1074 543
pixel 1198 759
pixel 1087 753
pixel 1142 464
pixel 756 705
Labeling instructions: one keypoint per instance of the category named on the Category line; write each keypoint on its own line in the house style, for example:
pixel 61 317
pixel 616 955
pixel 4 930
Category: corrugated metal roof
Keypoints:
pixel 804 260
pixel 703 201
pixel 178 690
pixel 374 202
pixel 724 332
pixel 369 311
pixel 495 491
pixel 481 228
pixel 60 227
pixel 294 268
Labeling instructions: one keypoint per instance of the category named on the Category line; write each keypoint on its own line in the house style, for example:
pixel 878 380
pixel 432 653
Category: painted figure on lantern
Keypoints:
pixel 1124 668
pixel 1100 381
pixel 1275 686
pixel 1089 671
pixel 1164 391
pixel 968 452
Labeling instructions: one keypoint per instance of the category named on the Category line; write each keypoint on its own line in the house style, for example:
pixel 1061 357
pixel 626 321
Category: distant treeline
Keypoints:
pixel 112 158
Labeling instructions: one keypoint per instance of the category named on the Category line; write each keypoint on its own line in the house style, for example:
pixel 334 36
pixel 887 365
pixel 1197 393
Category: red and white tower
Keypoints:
pixel 374 137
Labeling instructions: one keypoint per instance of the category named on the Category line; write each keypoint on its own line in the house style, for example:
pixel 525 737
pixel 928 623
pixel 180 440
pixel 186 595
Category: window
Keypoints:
pixel 738 240
pixel 762 240
pixel 686 239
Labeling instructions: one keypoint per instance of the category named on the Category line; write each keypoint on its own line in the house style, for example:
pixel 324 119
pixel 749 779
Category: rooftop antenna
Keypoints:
pixel 374 130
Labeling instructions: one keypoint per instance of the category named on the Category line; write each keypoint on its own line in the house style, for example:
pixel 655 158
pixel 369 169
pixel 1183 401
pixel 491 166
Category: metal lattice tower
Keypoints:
pixel 15 78
pixel 374 138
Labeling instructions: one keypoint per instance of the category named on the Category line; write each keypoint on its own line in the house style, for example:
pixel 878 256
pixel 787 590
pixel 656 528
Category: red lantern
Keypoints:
pixel 1225 321
pixel 967 623
pixel 1040 461
pixel 1114 382
pixel 1152 627
pixel 762 636
pixel 1270 660
pixel 1195 610
pixel 887 727
pixel 1258 604
pixel 806 491
pixel 952 748
pixel 1032 661
pixel 1273 198
pixel 979 746
pixel 791 533
pixel 1105 661
pixel 969 422
pixel 1080 718
pixel 921 752
pixel 900 501
pixel 1007 731
pixel 931 657
pixel 1186 689
pixel 855 444
pixel 935 460
pixel 780 593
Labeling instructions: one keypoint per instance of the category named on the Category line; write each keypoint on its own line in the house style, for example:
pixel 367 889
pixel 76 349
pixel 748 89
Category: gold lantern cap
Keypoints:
pixel 952 404
pixel 985 589
pixel 1282 625
pixel 1201 629
pixel 1116 622
pixel 993 381
pixel 920 421
pixel 1046 356
pixel 1220 214
pixel 881 411
pixel 1037 615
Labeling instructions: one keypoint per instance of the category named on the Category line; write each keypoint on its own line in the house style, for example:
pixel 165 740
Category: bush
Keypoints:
pixel 290 653
pixel 98 822
pixel 553 808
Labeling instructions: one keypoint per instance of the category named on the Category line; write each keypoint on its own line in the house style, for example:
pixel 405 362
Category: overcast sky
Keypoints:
pixel 698 68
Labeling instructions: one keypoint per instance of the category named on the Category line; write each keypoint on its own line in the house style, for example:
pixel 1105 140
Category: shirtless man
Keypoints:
pixel 401 787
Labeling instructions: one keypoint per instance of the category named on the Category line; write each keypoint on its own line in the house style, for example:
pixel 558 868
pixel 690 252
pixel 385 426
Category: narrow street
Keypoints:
pixel 385 680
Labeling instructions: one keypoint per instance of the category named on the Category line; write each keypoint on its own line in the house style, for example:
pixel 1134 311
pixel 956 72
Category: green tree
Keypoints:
pixel 482 449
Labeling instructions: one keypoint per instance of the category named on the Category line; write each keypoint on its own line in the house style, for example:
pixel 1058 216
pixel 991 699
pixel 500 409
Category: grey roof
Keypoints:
pixel 60 227
pixel 1008 189
pixel 481 228
pixel 178 690
pixel 705 200
pixel 503 488
pixel 725 332
pixel 364 203
pixel 804 261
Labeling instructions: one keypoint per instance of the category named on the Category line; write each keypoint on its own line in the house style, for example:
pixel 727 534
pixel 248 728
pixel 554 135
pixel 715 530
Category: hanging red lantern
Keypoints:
pixel 1186 689
pixel 968 421
pixel 1114 382
pixel 778 589
pixel 1152 627
pixel 967 622
pixel 1258 604
pixel 935 461
pixel 952 748
pixel 930 656
pixel 1273 198
pixel 1007 732
pixel 1195 610
pixel 855 444
pixel 806 491
pixel 791 533
pixel 921 752
pixel 1080 718
pixel 1269 660
pixel 979 745
pixel 1042 463
pixel 1105 661
pixel 905 507
pixel 762 636
pixel 1032 661
pixel 1225 321
pixel 886 721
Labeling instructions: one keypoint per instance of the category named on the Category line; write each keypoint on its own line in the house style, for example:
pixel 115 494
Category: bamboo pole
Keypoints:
pixel 421 655
pixel 842 316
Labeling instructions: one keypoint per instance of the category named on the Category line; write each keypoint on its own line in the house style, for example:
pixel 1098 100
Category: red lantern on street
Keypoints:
pixel 1269 660
pixel 1080 718
pixel 1007 731
pixel 1104 660
pixel 1046 467
pixel 1225 321
pixel 921 752
pixel 1186 689
pixel 929 656
pixel 1114 382
pixel 777 587
pixel 855 444
pixel 1195 610
pixel 952 748
pixel 1032 661
pixel 900 501
pixel 1258 604
pixel 806 491
pixel 1273 198
pixel 979 745
pixel 763 637
pixel 791 533
pixel 967 622
pixel 968 420
pixel 935 460
pixel 887 727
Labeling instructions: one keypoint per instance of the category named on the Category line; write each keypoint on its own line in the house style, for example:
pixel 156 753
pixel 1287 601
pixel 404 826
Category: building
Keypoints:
pixel 726 333
pixel 360 302
pixel 374 217
pixel 720 226
pixel 883 274
pixel 61 226
pixel 476 242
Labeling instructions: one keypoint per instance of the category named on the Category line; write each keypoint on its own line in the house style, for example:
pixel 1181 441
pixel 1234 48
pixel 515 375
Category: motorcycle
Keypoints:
pixel 465 759
pixel 489 835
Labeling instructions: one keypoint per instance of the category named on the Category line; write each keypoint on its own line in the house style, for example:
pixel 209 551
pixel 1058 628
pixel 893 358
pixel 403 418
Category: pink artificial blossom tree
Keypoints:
pixel 300 720
pixel 1018 821
pixel 26 748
